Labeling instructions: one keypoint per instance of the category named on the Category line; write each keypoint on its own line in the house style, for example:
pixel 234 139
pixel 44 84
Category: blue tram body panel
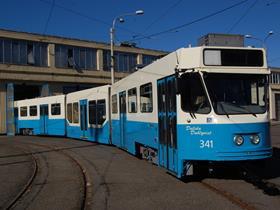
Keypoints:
pixel 55 127
pixel 99 135
pixel 136 132
pixel 214 142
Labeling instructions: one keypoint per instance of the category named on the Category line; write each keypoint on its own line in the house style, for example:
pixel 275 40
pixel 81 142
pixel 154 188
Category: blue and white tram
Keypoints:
pixel 40 116
pixel 195 104
pixel 88 114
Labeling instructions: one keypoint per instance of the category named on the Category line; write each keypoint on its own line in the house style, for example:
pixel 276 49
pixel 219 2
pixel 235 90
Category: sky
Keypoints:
pixel 165 25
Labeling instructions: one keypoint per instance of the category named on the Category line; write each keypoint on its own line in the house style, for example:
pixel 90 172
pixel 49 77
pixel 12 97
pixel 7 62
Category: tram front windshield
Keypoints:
pixel 237 93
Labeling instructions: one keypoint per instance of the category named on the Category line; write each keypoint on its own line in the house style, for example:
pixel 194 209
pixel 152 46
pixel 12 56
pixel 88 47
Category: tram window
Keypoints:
pixel 55 109
pixel 132 100
pixel 193 97
pixel 69 112
pixel 114 104
pixel 101 111
pixel 146 98
pixel 233 57
pixel 237 93
pixel 33 110
pixel 23 111
pixel 91 112
pixel 75 112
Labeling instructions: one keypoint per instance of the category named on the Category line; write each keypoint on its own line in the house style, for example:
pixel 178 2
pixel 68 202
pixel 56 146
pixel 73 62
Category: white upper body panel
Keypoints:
pixel 90 94
pixel 50 100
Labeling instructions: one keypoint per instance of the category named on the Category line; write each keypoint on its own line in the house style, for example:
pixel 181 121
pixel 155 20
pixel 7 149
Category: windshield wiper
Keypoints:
pixel 250 111
pixel 244 108
pixel 223 108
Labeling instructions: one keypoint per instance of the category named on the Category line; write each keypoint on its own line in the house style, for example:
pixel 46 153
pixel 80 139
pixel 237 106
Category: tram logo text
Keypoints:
pixel 197 131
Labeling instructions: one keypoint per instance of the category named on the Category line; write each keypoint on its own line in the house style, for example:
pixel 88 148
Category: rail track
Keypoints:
pixel 251 176
pixel 28 185
pixel 230 197
pixel 85 203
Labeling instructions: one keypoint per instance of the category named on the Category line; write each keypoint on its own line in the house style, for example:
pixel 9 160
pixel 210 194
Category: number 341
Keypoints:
pixel 206 144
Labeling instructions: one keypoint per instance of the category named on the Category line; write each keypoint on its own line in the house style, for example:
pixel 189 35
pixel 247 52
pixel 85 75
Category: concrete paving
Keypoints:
pixel 119 180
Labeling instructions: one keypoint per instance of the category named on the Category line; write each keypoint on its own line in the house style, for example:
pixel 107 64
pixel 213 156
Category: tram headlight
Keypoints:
pixel 255 139
pixel 238 140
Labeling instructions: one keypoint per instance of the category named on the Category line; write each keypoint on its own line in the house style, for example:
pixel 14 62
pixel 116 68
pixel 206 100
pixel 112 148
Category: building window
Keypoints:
pixel 15 52
pixel 132 100
pixel 124 62
pixel 30 54
pixel 60 56
pixel 275 78
pixel 41 54
pixel 76 112
pixel 114 104
pixel 7 51
pixel 33 110
pixel 22 53
pixel 70 58
pixel 23 111
pixel 91 59
pixel 75 57
pixel 1 51
pixel 106 60
pixel 146 98
pixel 69 113
pixel 82 64
pixel 55 109
pixel 147 59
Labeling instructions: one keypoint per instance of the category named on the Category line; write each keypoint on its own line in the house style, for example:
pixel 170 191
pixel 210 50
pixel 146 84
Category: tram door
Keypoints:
pixel 83 118
pixel 122 100
pixel 167 119
pixel 44 115
pixel 16 119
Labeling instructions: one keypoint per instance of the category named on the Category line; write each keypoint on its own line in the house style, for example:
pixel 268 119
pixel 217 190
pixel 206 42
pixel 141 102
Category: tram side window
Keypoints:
pixel 101 111
pixel 33 110
pixel 257 92
pixel 114 104
pixel 69 112
pixel 193 96
pixel 146 98
pixel 132 100
pixel 91 112
pixel 23 111
pixel 55 109
pixel 75 112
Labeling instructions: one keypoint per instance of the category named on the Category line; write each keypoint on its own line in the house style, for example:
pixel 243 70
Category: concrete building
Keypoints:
pixel 33 65
pixel 214 39
pixel 274 94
